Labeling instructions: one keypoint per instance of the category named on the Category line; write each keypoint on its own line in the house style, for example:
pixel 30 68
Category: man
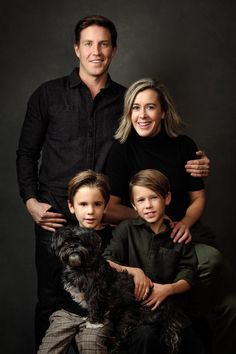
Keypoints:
pixel 71 120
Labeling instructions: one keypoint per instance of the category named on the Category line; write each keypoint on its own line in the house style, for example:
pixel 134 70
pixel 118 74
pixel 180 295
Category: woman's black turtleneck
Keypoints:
pixel 168 155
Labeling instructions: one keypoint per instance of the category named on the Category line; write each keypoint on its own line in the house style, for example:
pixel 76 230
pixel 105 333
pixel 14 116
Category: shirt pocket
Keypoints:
pixel 65 122
pixel 167 264
pixel 107 120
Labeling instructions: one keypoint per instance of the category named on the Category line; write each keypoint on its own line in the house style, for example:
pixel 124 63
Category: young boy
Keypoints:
pixel 144 248
pixel 88 195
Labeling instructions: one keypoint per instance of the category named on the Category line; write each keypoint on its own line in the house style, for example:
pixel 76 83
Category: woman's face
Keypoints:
pixel 146 113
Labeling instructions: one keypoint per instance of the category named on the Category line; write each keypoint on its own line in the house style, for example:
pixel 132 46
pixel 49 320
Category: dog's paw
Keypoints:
pixel 93 325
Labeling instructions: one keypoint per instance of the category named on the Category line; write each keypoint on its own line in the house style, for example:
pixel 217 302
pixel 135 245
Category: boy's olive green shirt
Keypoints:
pixel 134 244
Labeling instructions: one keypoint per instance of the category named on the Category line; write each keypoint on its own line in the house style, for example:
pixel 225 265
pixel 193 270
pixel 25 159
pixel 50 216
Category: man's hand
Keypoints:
pixel 199 167
pixel 47 220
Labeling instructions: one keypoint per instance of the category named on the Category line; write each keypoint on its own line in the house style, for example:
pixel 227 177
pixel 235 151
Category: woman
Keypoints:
pixel 150 136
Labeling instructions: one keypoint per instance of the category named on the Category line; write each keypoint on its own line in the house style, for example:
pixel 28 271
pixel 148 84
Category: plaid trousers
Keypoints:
pixel 64 326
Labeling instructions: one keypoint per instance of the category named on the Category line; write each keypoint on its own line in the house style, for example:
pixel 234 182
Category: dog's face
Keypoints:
pixel 76 246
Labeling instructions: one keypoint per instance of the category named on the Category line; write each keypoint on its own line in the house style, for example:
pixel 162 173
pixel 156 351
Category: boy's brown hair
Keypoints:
pixel 152 179
pixel 91 179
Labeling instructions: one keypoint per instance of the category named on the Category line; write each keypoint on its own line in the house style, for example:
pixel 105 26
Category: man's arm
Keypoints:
pixel 30 145
pixel 28 154
pixel 199 167
pixel 117 212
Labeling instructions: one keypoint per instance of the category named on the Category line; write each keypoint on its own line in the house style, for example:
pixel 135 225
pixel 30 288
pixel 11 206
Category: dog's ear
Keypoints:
pixel 56 241
pixel 59 236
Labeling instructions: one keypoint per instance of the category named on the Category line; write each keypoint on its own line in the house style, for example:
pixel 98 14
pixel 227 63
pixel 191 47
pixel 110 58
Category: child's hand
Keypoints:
pixel 142 283
pixel 159 293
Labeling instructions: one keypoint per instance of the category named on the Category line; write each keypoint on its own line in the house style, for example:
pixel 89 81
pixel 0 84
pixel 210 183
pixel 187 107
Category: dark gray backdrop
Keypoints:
pixel 188 44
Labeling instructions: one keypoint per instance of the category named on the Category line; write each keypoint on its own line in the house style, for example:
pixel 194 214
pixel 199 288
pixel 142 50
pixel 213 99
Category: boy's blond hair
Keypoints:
pixel 152 179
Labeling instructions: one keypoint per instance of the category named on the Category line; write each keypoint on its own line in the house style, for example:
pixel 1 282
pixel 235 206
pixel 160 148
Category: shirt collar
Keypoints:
pixel 139 221
pixel 75 80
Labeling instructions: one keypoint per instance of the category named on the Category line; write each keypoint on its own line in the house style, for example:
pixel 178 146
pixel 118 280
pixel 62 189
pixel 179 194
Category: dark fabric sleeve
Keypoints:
pixel 187 265
pixel 30 144
pixel 116 170
pixel 188 152
pixel 117 250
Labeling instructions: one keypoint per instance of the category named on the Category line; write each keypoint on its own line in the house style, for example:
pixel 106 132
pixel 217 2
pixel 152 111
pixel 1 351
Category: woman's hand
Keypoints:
pixel 159 293
pixel 180 232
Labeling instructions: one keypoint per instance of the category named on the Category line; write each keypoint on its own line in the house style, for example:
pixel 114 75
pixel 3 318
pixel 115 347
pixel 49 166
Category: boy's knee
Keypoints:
pixel 210 261
pixel 94 339
pixel 92 343
pixel 214 287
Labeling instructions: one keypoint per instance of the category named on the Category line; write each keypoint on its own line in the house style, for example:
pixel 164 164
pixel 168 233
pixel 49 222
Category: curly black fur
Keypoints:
pixel 102 290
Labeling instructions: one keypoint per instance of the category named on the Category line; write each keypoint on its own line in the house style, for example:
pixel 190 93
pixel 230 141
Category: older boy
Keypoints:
pixel 160 267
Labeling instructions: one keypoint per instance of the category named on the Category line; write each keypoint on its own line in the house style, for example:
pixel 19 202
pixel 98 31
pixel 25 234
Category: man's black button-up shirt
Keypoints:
pixel 69 129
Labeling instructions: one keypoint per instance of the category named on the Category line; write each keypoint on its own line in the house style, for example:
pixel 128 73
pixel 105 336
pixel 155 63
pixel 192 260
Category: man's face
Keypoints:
pixel 95 51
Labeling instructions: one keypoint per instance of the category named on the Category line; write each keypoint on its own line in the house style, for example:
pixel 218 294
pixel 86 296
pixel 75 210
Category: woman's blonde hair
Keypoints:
pixel 172 121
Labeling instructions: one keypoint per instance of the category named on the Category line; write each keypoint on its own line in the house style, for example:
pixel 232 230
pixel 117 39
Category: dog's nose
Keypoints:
pixel 74 260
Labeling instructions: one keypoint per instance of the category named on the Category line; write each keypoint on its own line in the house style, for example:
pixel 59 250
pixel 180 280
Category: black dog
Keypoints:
pixel 92 283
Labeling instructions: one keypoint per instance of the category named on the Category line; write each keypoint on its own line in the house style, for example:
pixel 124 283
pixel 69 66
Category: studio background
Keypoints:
pixel 189 45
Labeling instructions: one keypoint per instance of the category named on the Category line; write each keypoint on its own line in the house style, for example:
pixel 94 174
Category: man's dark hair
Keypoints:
pixel 98 21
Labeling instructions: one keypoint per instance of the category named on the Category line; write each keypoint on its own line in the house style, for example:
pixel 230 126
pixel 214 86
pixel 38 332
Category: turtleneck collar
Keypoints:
pixel 162 135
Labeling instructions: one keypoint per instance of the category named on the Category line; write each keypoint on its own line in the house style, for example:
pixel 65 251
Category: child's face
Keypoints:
pixel 149 205
pixel 88 207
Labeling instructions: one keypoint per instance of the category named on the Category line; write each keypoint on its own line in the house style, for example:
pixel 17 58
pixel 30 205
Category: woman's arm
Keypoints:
pixel 193 213
pixel 195 209
pixel 117 212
